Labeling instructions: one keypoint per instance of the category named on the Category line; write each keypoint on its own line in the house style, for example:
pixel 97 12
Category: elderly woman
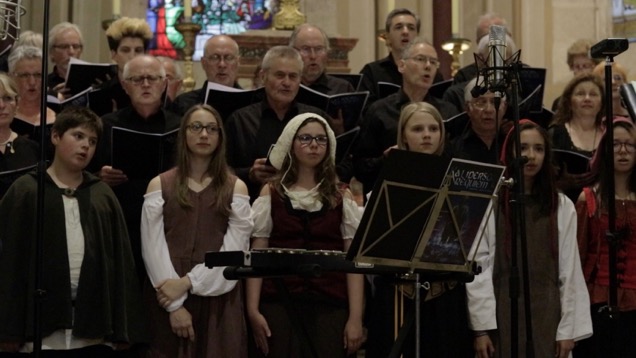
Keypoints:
pixel 579 61
pixel 577 126
pixel 619 77
pixel 15 152
pixel 25 66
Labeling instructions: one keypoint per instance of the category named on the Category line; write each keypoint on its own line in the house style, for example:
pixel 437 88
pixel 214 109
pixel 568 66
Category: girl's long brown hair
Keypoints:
pixel 218 169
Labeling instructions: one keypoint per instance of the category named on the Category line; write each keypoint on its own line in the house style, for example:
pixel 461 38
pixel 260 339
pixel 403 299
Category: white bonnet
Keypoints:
pixel 284 143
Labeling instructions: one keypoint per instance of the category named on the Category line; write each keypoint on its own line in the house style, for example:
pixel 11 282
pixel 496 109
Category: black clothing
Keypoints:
pixel 465 73
pixel 131 193
pixel 186 100
pixel 110 97
pixel 470 147
pixel 331 85
pixel 383 70
pixel 379 132
pixel 20 153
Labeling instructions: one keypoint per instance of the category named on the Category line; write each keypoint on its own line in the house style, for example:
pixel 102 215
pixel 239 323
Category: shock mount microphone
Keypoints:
pixel 496 81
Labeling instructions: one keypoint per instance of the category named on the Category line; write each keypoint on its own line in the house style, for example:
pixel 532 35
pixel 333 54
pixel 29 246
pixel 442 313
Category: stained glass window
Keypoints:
pixel 214 16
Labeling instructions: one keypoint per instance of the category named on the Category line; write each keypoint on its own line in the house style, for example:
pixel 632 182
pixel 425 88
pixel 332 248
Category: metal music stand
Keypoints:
pixel 424 216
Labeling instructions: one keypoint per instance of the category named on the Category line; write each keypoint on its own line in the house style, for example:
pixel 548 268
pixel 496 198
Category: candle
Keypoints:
pixel 187 9
pixel 455 17
pixel 116 7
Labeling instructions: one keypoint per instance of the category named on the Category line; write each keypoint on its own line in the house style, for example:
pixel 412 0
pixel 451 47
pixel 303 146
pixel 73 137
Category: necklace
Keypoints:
pixel 629 196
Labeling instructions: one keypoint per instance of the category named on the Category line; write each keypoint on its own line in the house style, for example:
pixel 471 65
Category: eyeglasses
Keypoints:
pixel 215 59
pixel 65 47
pixel 629 147
pixel 198 127
pixel 139 80
pixel 308 50
pixel 425 60
pixel 306 139
pixel 26 75
pixel 483 103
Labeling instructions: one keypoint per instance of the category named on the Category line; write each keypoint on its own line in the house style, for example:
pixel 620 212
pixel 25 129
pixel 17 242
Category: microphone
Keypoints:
pixel 496 79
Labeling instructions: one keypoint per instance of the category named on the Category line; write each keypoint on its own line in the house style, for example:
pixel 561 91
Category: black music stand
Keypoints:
pixel 424 215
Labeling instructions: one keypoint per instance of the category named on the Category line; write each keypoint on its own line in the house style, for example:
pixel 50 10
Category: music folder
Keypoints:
pixel 426 217
pixel 142 155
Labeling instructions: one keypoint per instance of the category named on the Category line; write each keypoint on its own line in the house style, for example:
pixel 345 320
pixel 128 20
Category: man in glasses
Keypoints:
pixel 220 62
pixel 65 41
pixel 479 141
pixel 144 80
pixel 378 131
pixel 313 45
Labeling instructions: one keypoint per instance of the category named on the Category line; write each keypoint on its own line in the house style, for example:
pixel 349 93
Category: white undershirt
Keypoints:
pixel 63 339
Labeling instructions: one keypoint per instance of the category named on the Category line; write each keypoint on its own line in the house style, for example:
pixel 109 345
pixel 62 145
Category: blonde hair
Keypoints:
pixel 128 27
pixel 416 107
pixel 599 70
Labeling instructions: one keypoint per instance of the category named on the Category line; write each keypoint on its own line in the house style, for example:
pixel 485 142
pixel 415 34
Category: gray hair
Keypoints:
pixel 416 41
pixel 23 53
pixel 60 28
pixel 162 71
pixel 294 35
pixel 483 49
pixel 177 69
pixel 29 38
pixel 489 19
pixel 281 52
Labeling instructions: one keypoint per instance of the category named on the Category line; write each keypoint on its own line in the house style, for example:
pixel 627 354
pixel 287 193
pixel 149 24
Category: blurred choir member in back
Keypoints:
pixel 196 207
pixel 65 41
pixel 220 63
pixel 174 77
pixel 25 66
pixel 619 77
pixel 592 209
pixel 577 126
pixel 16 152
pixel 304 207
pixel 558 298
pixel 127 38
pixel 579 62
pixel 313 45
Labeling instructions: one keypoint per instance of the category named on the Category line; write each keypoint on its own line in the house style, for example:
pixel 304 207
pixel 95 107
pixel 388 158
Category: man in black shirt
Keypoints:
pixel 478 142
pixel 253 129
pixel 65 41
pixel 144 80
pixel 402 26
pixel 220 62
pixel 378 132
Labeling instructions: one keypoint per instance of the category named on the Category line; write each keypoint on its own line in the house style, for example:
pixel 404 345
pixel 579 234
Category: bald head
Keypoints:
pixel 220 60
pixel 144 81
pixel 313 45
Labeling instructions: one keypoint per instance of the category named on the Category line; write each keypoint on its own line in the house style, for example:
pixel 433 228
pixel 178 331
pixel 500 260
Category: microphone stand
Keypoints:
pixel 518 230
pixel 612 236
pixel 40 293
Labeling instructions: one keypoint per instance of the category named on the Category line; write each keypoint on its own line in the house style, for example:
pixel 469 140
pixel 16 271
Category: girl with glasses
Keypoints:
pixel 592 209
pixel 304 207
pixel 196 207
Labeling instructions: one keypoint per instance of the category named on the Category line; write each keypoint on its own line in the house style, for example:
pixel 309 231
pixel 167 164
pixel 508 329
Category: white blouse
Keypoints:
pixel 205 281
pixel 575 320
pixel 306 200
